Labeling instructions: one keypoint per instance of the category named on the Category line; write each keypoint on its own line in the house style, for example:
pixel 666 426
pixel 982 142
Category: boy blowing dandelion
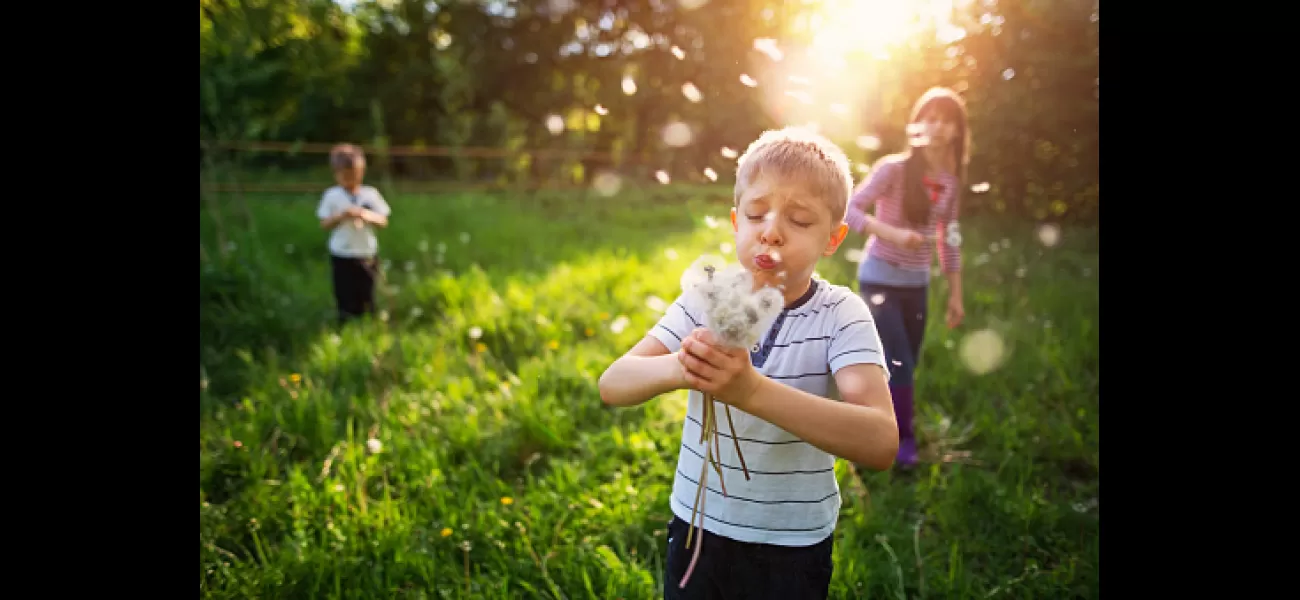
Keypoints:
pixel 813 387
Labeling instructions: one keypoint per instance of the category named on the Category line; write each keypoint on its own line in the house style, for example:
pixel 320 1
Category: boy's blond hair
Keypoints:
pixel 346 156
pixel 802 155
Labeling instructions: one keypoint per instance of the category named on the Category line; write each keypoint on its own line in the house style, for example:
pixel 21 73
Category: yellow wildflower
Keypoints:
pixel 507 500
pixel 480 347
pixel 553 344
pixel 295 378
pixel 446 532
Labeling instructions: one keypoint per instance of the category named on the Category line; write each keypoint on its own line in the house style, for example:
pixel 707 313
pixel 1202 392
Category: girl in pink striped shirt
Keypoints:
pixel 916 194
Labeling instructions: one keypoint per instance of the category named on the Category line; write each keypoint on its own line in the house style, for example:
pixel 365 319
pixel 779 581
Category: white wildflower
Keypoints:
pixel 374 446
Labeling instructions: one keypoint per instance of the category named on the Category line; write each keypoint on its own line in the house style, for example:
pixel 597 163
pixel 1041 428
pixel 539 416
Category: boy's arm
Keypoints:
pixel 646 371
pixel 861 429
pixel 378 216
pixel 328 215
pixel 651 367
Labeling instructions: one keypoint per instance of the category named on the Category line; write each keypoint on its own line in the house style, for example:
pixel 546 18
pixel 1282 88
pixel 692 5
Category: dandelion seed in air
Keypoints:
pixel 629 85
pixel 374 446
pixel 725 247
pixel 670 254
pixel 980 188
pixel 710 222
pixel 606 183
pixel 662 176
pixel 691 92
pixel 601 110
pixel 475 333
pixel 710 173
pixel 620 323
pixel 877 299
pixel 677 134
pixel 868 142
pixel 555 124
pixel 678 52
pixel 747 80
pixel 728 152
pixel 1049 235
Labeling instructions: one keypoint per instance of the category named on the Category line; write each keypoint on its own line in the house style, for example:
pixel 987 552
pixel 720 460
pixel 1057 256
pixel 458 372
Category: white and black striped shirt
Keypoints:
pixel 792 497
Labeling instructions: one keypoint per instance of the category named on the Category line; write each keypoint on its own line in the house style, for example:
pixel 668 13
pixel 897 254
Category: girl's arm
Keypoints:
pixel 881 180
pixel 878 182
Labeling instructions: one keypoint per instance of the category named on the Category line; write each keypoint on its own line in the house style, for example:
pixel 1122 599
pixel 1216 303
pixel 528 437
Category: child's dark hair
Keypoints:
pixel 346 156
pixel 916 199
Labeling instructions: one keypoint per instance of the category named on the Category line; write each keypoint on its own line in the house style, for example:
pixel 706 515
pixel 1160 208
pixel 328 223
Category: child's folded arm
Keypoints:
pixel 646 371
pixel 861 429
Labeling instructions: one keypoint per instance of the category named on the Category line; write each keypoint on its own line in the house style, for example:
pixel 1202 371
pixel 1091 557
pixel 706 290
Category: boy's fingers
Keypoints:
pixel 696 366
pixel 703 353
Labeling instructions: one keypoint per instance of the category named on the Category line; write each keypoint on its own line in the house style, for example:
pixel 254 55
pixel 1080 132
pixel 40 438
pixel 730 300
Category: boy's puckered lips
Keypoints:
pixel 765 262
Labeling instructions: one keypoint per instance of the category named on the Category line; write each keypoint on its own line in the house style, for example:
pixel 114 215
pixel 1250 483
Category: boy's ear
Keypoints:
pixel 734 229
pixel 837 237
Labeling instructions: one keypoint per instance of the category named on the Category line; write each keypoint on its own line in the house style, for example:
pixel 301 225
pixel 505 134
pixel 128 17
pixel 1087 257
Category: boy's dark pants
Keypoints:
pixel 731 569
pixel 354 285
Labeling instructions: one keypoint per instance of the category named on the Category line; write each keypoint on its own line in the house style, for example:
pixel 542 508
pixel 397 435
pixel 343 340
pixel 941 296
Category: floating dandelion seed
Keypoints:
pixel 677 134
pixel 475 333
pixel 606 183
pixel 868 142
pixel 725 247
pixel 671 254
pixel 601 110
pixel 691 92
pixel 768 47
pixel 620 323
pixel 1049 235
pixel 656 303
pixel 691 4
pixel 374 446
pixel 629 85
pixel 877 299
pixel 710 222
pixel 662 176
pixel 800 95
pixel 554 124
pixel 710 173
pixel 853 255
pixel 980 188
pixel 982 351
pixel 678 52
pixel 953 236
pixel 728 152
pixel 738 316
pixel 747 80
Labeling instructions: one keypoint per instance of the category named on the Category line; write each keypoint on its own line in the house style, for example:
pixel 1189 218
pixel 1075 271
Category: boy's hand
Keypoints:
pixel 724 372
pixel 354 211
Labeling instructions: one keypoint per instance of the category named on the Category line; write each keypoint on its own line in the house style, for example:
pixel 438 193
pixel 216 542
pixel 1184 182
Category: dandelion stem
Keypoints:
pixel 695 556
pixel 699 493
pixel 736 441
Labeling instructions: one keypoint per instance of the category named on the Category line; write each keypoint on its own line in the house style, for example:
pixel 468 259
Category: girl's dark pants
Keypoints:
pixel 900 319
pixel 730 569
pixel 354 285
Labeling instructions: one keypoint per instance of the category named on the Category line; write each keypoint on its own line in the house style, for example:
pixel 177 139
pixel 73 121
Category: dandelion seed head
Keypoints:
pixel 374 446
pixel 606 183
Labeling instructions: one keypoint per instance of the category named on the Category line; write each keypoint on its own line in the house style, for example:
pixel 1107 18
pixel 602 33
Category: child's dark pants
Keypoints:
pixel 354 285
pixel 730 569
pixel 900 315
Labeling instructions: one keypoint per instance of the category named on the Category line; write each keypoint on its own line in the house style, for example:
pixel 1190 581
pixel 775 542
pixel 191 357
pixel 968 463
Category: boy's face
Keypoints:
pixel 782 230
pixel 350 177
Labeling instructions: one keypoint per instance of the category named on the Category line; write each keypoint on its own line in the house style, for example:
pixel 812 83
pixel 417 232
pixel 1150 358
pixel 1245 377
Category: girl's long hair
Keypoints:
pixel 916 199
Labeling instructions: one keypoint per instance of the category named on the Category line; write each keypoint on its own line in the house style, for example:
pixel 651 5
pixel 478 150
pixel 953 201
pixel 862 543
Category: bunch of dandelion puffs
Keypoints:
pixel 738 315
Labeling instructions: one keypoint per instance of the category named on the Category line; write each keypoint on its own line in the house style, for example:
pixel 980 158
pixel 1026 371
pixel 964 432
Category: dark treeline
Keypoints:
pixel 640 86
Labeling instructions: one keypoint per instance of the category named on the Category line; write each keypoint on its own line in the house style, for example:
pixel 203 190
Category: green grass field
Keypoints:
pixel 457 447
